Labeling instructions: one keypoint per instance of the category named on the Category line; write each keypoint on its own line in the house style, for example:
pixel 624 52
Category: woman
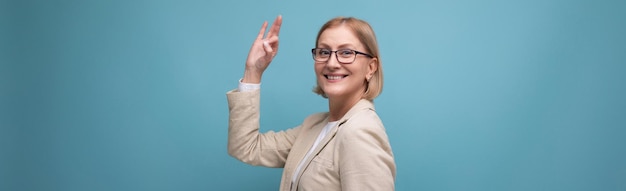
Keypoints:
pixel 345 148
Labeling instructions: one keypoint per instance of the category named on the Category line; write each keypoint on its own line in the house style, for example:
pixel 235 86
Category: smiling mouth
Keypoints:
pixel 335 77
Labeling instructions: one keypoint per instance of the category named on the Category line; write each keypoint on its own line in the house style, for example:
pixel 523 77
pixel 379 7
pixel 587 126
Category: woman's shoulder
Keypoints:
pixel 364 121
pixel 364 127
pixel 316 118
pixel 366 116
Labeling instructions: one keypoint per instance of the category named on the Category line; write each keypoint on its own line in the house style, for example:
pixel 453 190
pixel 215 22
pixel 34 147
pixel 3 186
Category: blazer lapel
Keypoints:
pixel 318 149
pixel 305 141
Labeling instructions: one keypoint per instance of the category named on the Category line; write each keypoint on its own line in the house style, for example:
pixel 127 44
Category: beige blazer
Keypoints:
pixel 354 155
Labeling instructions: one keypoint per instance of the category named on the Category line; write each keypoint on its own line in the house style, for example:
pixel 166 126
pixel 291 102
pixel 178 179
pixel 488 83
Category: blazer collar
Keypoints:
pixel 363 104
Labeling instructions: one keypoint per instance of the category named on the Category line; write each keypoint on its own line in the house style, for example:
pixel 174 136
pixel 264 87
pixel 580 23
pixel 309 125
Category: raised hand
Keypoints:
pixel 262 52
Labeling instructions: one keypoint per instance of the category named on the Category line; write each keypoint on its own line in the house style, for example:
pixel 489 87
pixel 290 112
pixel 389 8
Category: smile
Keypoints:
pixel 335 77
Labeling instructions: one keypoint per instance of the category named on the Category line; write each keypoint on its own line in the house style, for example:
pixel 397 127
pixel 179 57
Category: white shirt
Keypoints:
pixel 247 87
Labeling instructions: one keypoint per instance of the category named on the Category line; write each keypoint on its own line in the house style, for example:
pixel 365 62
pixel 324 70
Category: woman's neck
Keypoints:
pixel 337 108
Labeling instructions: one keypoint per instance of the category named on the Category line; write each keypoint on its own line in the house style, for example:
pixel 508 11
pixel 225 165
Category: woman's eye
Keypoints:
pixel 324 52
pixel 346 53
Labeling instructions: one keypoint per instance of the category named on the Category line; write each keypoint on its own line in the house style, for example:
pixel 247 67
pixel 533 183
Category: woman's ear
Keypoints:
pixel 372 68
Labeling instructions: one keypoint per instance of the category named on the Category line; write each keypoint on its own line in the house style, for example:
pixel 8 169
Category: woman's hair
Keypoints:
pixel 364 32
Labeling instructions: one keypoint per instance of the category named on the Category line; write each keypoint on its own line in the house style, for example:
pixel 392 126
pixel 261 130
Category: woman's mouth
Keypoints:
pixel 335 77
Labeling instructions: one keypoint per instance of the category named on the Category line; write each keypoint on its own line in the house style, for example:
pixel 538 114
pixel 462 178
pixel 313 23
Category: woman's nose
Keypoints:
pixel 333 62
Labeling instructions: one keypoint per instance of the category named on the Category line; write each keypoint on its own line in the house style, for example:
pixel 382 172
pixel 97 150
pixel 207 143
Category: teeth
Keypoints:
pixel 334 77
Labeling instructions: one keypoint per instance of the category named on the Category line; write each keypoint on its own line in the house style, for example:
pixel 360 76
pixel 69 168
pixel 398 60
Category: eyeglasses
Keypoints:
pixel 344 56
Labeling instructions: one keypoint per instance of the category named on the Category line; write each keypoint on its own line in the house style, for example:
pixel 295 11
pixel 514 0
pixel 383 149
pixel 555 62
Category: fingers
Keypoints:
pixel 275 29
pixel 269 44
pixel 268 49
pixel 262 31
pixel 271 40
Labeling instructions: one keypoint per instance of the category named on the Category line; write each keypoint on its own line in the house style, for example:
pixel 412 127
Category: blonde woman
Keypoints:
pixel 345 148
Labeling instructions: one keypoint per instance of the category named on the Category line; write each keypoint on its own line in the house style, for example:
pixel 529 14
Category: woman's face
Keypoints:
pixel 339 80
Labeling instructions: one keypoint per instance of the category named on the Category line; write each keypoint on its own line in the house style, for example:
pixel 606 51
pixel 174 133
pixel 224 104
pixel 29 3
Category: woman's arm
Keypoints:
pixel 244 140
pixel 245 143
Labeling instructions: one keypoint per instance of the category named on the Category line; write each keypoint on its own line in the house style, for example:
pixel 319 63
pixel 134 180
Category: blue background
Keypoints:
pixel 479 95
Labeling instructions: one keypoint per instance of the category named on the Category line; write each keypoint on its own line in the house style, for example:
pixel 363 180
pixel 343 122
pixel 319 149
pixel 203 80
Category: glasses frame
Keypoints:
pixel 313 51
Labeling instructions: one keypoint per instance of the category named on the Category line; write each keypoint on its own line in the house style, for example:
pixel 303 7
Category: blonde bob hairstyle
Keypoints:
pixel 364 32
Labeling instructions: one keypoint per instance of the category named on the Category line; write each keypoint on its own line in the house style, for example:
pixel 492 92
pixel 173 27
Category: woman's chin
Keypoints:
pixel 341 92
pixel 334 93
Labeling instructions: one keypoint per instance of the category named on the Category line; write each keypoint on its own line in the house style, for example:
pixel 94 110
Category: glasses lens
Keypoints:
pixel 320 54
pixel 346 56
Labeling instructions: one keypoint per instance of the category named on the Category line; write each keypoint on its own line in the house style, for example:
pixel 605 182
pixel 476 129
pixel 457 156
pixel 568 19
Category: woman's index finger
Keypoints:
pixel 262 31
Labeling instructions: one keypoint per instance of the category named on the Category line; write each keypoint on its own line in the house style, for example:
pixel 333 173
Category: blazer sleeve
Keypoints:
pixel 245 142
pixel 365 156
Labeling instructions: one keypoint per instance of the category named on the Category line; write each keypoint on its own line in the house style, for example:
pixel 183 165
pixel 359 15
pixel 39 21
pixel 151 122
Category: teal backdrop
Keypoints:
pixel 479 95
